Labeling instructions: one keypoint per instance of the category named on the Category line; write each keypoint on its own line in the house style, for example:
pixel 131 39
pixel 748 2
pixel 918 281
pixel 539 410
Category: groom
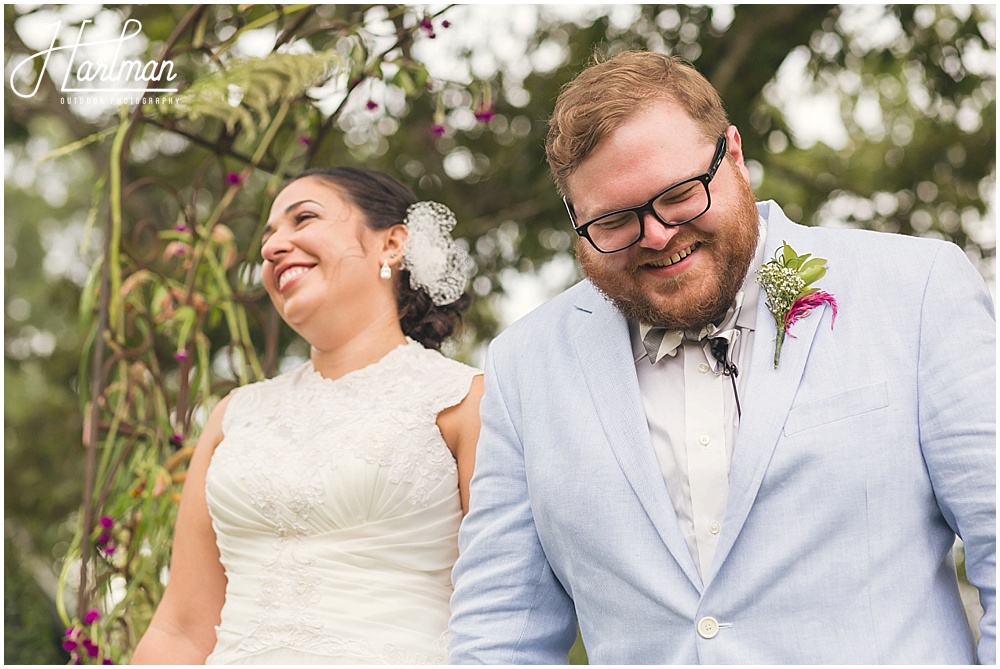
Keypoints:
pixel 651 470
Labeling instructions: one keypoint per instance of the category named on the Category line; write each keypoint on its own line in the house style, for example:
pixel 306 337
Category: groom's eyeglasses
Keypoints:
pixel 679 204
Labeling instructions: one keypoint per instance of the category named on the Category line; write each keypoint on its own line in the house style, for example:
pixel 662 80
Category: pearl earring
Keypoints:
pixel 386 271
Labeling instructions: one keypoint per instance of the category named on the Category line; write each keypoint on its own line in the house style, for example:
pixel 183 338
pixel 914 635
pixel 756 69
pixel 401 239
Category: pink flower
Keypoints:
pixel 103 541
pixel 107 521
pixel 177 439
pixel 428 27
pixel 438 129
pixel 109 550
pixel 181 356
pixel 92 616
pixel 371 104
pixel 69 645
pixel 305 140
pixel 446 24
pixel 233 179
pixel 180 227
pixel 484 113
pixel 91 648
pixel 802 306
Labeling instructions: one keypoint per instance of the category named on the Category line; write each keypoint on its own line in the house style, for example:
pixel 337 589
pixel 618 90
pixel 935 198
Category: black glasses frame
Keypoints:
pixel 640 211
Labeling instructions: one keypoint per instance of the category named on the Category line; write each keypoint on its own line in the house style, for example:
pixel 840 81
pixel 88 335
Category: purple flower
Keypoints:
pixel 484 113
pixel 233 179
pixel 92 616
pixel 802 306
pixel 109 550
pixel 371 104
pixel 437 129
pixel 107 521
pixel 305 140
pixel 91 648
pixel 175 249
pixel 181 356
pixel 177 439
pixel 69 645
pixel 428 27
pixel 446 24
pixel 107 660
pixel 180 227
pixel 103 541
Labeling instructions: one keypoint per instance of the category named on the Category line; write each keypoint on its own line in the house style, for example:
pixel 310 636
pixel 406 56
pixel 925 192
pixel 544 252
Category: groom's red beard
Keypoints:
pixel 691 300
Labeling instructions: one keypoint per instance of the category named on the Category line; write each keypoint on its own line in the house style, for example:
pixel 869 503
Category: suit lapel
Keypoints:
pixel 769 392
pixel 604 350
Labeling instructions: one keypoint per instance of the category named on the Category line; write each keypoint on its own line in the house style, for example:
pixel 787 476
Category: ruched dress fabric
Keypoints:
pixel 336 509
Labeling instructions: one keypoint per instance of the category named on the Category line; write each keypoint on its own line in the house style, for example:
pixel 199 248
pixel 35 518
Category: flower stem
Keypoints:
pixel 777 346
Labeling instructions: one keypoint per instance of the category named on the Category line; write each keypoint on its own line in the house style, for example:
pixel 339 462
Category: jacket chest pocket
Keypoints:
pixel 841 406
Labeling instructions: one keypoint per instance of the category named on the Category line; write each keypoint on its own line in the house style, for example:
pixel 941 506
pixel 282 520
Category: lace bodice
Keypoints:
pixel 336 509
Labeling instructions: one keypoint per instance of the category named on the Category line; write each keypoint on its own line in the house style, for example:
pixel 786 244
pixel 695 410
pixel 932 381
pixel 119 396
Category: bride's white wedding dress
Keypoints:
pixel 336 507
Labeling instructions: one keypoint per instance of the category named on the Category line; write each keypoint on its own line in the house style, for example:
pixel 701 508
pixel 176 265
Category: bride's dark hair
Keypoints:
pixel 383 201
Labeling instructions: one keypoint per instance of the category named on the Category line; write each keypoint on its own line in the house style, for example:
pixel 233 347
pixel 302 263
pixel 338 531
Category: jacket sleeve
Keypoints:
pixel 508 606
pixel 957 413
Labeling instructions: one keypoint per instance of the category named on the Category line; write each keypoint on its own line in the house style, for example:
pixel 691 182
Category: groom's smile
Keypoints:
pixel 675 259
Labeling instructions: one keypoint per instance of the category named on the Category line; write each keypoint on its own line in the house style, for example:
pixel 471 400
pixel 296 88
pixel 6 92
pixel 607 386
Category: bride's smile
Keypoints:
pixel 289 273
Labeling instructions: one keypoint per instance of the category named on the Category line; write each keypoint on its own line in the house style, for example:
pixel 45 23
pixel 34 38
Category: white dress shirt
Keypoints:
pixel 693 420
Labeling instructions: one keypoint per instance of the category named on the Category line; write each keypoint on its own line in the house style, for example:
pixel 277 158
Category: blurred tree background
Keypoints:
pixel 872 116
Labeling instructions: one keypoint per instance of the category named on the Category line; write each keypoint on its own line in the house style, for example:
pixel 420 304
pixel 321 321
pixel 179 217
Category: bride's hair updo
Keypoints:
pixel 383 202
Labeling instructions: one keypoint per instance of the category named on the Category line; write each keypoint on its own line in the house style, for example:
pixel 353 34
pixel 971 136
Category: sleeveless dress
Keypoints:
pixel 336 509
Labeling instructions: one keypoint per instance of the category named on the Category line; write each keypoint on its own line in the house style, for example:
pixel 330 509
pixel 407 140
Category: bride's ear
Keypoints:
pixel 393 244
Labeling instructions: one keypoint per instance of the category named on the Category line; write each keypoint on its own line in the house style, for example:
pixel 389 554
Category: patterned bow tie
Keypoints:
pixel 660 342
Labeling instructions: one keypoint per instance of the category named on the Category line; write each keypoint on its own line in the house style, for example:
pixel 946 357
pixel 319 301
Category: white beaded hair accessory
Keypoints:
pixel 436 263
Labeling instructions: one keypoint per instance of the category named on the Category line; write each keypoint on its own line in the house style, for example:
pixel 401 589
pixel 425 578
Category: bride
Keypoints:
pixel 320 516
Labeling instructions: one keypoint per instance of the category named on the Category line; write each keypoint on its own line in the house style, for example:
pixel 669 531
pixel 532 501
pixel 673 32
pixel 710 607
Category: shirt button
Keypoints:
pixel 714 528
pixel 704 440
pixel 704 368
pixel 708 627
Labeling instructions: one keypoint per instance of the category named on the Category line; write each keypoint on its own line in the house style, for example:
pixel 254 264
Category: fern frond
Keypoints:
pixel 249 89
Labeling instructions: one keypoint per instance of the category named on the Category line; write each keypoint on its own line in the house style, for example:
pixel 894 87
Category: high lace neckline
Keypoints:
pixel 310 371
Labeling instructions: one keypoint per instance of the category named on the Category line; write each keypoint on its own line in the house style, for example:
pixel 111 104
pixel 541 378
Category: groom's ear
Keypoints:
pixel 735 150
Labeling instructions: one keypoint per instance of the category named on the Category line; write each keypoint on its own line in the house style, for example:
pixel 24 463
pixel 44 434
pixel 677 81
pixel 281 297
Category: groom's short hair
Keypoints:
pixel 609 92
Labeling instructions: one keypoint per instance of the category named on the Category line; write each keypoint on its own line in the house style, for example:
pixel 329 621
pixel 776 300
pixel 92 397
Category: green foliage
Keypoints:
pixel 30 627
pixel 247 91
pixel 578 654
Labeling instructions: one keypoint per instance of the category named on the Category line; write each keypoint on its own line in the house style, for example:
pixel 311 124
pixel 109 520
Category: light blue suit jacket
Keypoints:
pixel 858 460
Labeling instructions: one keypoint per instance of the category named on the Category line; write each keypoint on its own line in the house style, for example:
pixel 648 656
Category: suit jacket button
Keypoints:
pixel 708 627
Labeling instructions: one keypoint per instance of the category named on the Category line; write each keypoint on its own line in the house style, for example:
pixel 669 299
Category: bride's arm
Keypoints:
pixel 459 426
pixel 183 628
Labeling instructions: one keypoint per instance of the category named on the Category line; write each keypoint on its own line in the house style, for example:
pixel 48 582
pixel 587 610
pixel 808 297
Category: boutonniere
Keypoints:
pixel 787 281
